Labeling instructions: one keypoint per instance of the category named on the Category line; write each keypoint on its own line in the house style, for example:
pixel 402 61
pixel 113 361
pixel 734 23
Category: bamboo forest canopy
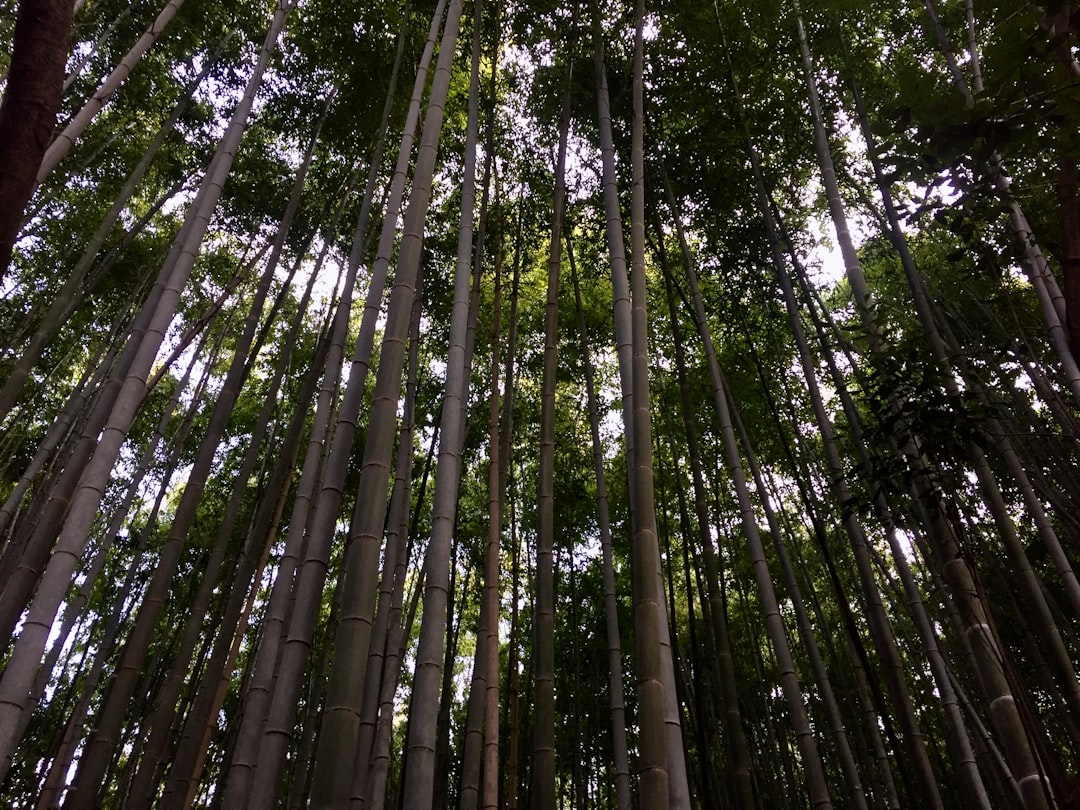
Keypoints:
pixel 667 404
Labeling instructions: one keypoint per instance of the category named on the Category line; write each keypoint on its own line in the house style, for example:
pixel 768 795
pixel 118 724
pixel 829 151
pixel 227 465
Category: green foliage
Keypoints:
pixel 716 75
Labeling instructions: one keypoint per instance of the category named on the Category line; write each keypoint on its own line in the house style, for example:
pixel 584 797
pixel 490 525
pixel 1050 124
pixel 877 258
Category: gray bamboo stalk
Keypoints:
pixel 261 688
pixel 401 626
pixel 1051 300
pixel 77 68
pixel 544 773
pixel 957 76
pixel 59 770
pixel 657 787
pixel 194 736
pixel 611 614
pixel 74 609
pixel 111 715
pixel 370 703
pixel 956 734
pixel 338 741
pixel 144 785
pixel 455 608
pixel 944 349
pixel 49 518
pixel 513 675
pixel 381 751
pixel 623 339
pixel 987 648
pixel 811 760
pixel 389 581
pixel 878 620
pixel 264 740
pixel 59 430
pixel 59 461
pixel 473 746
pixel 423 710
pixel 614 230
pixel 973 47
pixel 65 301
pixel 25 658
pixel 256 685
pixel 702 652
pixel 1050 297
pixel 986 740
pixel 258 689
pixel 506 429
pixel 622 313
pixel 312 703
pixel 482 747
pixel 474 749
pixel 385 637
pixel 492 589
pixel 856 792
pixel 360 566
pixel 473 755
pixel 724 662
pixel 63 142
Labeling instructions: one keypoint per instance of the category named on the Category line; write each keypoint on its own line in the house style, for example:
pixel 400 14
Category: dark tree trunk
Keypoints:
pixel 1070 259
pixel 28 112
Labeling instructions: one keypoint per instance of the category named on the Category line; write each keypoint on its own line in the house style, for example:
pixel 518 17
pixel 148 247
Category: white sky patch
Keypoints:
pixel 826 255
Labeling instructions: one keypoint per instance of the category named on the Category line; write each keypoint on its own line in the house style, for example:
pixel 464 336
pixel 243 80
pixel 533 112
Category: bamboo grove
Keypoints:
pixel 654 404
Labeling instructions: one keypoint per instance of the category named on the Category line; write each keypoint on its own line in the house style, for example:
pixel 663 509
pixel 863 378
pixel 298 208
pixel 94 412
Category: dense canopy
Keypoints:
pixel 665 404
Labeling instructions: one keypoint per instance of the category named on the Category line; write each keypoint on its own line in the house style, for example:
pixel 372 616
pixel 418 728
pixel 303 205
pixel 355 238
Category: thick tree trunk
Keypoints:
pixel 28 111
